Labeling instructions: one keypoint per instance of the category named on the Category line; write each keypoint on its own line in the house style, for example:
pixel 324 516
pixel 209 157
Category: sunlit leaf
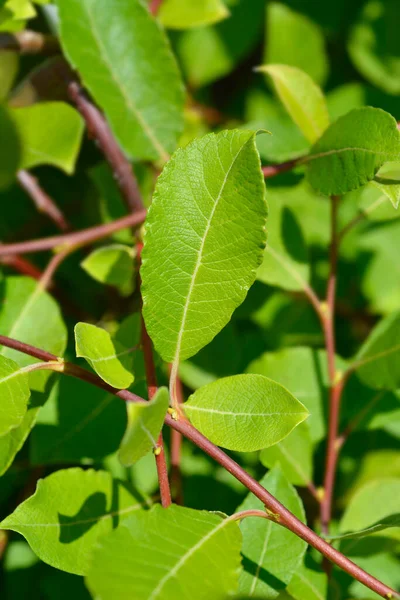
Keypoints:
pixel 14 394
pixel 181 14
pixel 112 265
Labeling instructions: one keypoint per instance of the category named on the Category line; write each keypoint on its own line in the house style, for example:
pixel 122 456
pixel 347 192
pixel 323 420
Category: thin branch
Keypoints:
pixel 282 515
pixel 78 238
pixel 21 265
pixel 29 42
pixel 362 215
pixel 176 452
pixel 244 514
pixel 273 170
pixel 99 130
pixel 42 200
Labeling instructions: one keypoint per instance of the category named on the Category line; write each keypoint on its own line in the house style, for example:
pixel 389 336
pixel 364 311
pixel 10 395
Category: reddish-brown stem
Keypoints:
pixel 23 266
pixel 29 42
pixel 176 451
pixel 273 170
pixel 78 238
pixel 99 130
pixel 46 279
pixel 151 378
pixel 154 6
pixel 276 510
pixel 42 200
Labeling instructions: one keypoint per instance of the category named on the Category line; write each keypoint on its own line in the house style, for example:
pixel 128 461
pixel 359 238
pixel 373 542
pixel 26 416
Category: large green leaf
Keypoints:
pixel 14 394
pixel 67 514
pixel 271 553
pixel 50 134
pixel 285 35
pixel 31 315
pixel 10 148
pixel 308 584
pixel 352 150
pixel 183 14
pixel 286 258
pixel 79 422
pixel 145 421
pixel 129 69
pixel 293 454
pixel 110 358
pixel 378 361
pixel 204 237
pixel 160 554
pixel 376 501
pixel 301 97
pixel 112 265
pixel 244 412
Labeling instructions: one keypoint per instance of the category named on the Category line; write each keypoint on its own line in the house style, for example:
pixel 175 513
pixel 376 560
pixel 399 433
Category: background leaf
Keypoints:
pixel 145 421
pixel 268 564
pixel 180 14
pixel 135 81
pixel 112 265
pixel 244 412
pixel 67 514
pixel 10 148
pixel 159 554
pixel 192 283
pixel 14 392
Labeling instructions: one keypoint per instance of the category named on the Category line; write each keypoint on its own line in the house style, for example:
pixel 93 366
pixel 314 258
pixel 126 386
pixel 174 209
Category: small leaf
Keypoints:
pixel 67 514
pixel 378 361
pixel 146 118
pixel 386 523
pixel 352 150
pixel 387 180
pixel 106 356
pixel 50 134
pixel 244 412
pixel 24 303
pixel 145 420
pixel 286 260
pixel 160 554
pixel 14 394
pixel 180 14
pixel 271 553
pixel 293 455
pixel 204 236
pixel 285 35
pixel 302 98
pixel 112 265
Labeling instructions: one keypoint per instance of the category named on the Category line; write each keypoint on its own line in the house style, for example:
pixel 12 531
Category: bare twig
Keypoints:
pixel 42 200
pixel 29 42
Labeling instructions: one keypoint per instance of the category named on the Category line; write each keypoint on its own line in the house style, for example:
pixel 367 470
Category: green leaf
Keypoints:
pixel 386 523
pixel 67 514
pixel 9 62
pixel 371 505
pixel 378 361
pixel 286 258
pixel 112 265
pixel 301 97
pixel 181 14
pixel 271 553
pixel 352 150
pixel 145 420
pixel 14 393
pixel 387 180
pixel 285 35
pixel 204 236
pixel 24 303
pixel 208 53
pixel 50 134
pixel 160 554
pixel 12 442
pixel 293 455
pixel 130 70
pixel 308 584
pixel 244 412
pixel 10 148
pixel 373 45
pixel 78 423
pixel 106 356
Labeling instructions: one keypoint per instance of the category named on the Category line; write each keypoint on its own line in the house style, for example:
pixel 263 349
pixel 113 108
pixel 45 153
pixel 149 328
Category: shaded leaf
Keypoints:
pixel 352 150
pixel 180 14
pixel 50 134
pixel 386 523
pixel 160 553
pixel 24 303
pixel 112 265
pixel 271 553
pixel 14 393
pixel 204 236
pixel 301 97
pixel 145 420
pixel 308 584
pixel 67 514
pixel 244 412
pixel 10 148
pixel 129 69
pixel 9 62
pixel 293 455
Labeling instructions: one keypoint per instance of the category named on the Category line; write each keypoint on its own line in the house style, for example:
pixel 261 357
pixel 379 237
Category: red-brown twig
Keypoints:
pixel 154 6
pixel 29 42
pixel 42 200
pixel 176 451
pixel 276 510
pixel 273 170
